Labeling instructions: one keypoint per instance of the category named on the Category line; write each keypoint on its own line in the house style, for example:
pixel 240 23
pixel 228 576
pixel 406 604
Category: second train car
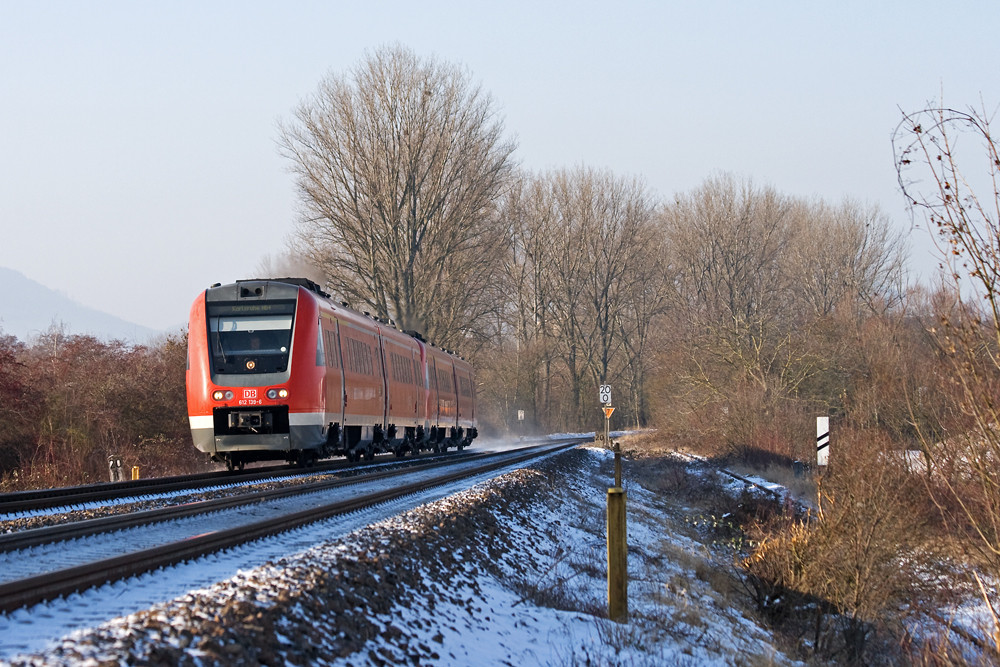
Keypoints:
pixel 277 370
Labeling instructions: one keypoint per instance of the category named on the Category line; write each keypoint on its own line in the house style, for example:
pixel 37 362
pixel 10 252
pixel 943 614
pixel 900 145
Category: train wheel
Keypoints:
pixel 304 459
pixel 370 453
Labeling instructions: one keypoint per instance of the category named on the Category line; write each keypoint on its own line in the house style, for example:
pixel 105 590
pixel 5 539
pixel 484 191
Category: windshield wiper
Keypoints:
pixel 218 339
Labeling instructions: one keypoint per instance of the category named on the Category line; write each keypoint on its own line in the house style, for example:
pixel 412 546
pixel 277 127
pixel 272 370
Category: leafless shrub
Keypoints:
pixel 843 577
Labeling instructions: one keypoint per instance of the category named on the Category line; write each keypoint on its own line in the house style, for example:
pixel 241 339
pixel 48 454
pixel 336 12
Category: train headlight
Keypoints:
pixel 277 393
pixel 220 395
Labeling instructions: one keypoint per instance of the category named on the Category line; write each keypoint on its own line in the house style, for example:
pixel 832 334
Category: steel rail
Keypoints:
pixel 36 589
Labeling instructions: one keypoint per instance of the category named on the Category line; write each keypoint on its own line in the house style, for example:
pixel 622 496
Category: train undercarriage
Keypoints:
pixel 353 442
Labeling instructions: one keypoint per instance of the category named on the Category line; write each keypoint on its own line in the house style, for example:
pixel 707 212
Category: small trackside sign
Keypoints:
pixel 822 440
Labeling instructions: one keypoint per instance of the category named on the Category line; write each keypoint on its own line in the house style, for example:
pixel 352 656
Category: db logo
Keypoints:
pixel 249 393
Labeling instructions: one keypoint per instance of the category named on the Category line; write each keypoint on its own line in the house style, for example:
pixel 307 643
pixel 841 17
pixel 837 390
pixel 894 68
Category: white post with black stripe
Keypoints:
pixel 822 440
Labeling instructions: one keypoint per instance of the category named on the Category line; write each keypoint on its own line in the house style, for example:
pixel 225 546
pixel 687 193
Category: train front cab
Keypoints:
pixel 254 377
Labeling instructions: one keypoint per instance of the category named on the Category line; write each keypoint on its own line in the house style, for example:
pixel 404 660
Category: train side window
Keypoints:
pixel 320 353
pixel 332 351
pixel 444 381
pixel 399 371
pixel 349 362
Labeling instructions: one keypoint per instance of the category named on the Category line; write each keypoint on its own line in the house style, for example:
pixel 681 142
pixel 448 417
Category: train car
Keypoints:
pixel 277 370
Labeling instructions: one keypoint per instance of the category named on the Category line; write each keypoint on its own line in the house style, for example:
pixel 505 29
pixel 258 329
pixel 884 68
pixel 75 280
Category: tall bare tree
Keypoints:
pixel 846 256
pixel 528 213
pixel 727 241
pixel 399 164
pixel 583 243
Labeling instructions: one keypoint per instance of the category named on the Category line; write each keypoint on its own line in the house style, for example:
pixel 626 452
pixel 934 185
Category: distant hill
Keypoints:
pixel 28 308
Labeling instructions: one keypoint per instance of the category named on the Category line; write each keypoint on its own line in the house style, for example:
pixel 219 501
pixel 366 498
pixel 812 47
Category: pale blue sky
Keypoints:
pixel 138 161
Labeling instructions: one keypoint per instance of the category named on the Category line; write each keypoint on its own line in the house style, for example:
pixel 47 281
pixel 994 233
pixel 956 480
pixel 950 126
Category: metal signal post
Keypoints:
pixel 617 534
pixel 607 438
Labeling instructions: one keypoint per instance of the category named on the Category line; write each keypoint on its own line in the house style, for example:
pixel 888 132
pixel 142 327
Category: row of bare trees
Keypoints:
pixel 581 287
pixel 413 209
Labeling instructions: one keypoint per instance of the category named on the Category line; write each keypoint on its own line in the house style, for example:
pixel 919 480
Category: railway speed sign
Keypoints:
pixel 605 394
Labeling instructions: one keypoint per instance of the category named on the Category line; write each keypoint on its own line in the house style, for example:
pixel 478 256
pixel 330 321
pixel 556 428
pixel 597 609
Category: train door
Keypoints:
pixel 334 384
pixel 433 402
pixel 384 375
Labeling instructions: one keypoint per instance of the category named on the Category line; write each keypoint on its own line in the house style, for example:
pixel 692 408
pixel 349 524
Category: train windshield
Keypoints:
pixel 250 342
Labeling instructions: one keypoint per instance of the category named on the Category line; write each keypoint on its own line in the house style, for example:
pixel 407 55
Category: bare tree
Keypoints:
pixel 399 164
pixel 527 271
pixel 846 256
pixel 727 241
pixel 582 246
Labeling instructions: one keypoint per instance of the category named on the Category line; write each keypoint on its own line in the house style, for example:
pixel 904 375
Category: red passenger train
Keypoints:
pixel 277 370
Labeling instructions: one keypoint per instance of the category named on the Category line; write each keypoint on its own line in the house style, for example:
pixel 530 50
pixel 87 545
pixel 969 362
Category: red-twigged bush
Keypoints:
pixel 83 400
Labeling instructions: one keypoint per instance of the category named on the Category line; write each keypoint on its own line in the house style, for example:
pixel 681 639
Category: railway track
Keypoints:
pixel 52 581
pixel 19 502
pixel 72 496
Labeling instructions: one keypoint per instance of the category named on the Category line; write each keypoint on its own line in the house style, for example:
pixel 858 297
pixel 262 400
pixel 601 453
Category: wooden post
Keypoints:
pixel 617 556
pixel 618 465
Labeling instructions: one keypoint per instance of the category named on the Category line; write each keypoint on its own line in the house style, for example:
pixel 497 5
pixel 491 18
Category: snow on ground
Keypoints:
pixel 511 572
